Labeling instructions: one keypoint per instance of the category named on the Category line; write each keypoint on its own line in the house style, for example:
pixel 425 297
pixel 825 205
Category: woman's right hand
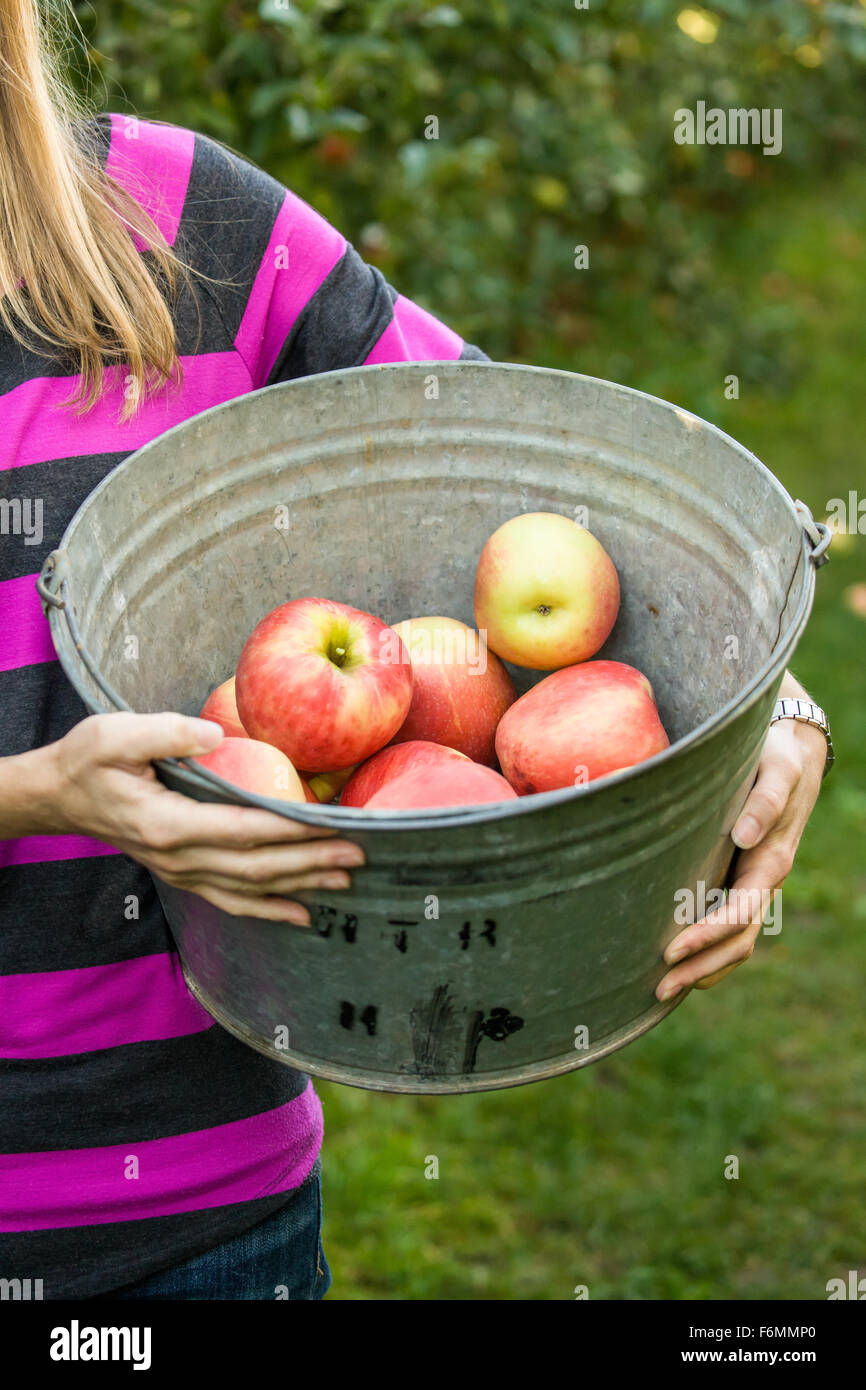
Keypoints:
pixel 243 860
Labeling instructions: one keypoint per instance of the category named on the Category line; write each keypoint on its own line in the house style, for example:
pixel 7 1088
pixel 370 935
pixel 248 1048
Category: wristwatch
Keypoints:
pixel 807 713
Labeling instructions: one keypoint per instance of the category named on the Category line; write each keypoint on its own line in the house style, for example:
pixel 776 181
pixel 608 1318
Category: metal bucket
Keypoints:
pixel 478 948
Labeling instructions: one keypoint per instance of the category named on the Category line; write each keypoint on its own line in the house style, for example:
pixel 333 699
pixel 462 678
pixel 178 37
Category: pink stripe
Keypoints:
pixel 153 163
pixel 58 1012
pixel 238 1162
pixel 302 252
pixel 45 849
pixel 413 335
pixel 25 637
pixel 36 429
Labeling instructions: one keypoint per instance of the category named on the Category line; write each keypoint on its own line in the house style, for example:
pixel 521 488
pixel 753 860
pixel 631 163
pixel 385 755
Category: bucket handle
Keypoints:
pixel 818 532
pixel 52 588
pixel 55 568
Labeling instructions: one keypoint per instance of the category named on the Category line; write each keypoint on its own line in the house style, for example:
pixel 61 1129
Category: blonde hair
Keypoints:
pixel 70 275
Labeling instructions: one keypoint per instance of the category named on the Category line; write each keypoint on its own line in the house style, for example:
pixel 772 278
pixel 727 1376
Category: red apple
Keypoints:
pixel 579 724
pixel 546 592
pixel 326 785
pixel 221 707
pixel 255 767
pixel 392 762
pixel 326 684
pixel 441 784
pixel 460 691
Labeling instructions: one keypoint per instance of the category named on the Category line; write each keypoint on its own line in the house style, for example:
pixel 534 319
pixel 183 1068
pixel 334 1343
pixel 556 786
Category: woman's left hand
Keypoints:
pixel 767 832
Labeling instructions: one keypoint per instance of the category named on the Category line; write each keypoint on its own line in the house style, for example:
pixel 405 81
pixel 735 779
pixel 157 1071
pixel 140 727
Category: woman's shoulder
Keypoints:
pixel 173 171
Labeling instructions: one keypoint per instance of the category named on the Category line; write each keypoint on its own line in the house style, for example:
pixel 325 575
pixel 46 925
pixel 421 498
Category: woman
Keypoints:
pixel 148 1154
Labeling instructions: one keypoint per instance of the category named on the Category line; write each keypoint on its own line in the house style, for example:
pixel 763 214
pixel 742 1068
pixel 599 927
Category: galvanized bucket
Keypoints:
pixel 478 948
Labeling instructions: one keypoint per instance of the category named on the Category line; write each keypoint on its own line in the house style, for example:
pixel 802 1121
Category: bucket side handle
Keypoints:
pixel 52 586
pixel 818 532
pixel 55 568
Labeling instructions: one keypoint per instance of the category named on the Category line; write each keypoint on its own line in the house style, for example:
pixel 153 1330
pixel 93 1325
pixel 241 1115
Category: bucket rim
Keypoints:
pixel 349 818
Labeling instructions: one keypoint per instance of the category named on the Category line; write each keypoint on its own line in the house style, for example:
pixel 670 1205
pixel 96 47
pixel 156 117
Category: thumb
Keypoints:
pixel 140 738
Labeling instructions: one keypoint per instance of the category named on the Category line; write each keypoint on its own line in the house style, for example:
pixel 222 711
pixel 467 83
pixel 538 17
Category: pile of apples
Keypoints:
pixel 329 702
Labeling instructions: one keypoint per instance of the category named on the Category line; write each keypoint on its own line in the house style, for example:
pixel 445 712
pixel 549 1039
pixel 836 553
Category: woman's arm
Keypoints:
pixel 767 832
pixel 99 781
pixel 27 794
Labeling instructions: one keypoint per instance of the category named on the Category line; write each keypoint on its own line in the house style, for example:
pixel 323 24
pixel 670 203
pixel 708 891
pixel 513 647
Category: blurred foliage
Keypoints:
pixel 555 129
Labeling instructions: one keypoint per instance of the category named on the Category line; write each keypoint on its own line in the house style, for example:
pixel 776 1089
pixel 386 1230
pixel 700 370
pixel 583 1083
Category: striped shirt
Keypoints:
pixel 135 1132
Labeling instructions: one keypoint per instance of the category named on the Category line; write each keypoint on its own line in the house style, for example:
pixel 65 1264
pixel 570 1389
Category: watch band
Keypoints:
pixel 807 713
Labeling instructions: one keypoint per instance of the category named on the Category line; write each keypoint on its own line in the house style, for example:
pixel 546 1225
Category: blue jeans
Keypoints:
pixel 281 1258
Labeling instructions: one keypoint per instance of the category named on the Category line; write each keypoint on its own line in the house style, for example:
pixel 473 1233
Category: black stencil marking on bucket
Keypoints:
pixel 328 917
pixel 499 1026
pixel 368 1016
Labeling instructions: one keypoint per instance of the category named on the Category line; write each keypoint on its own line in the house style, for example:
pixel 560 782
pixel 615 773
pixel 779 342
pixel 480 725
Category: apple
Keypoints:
pixel 221 707
pixel 326 684
pixel 309 794
pixel 546 592
pixel 326 785
pixel 460 690
pixel 441 784
pixel 392 762
pixel 578 724
pixel 255 767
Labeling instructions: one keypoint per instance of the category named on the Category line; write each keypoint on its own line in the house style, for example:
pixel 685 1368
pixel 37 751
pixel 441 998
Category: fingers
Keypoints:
pixel 726 937
pixel 779 772
pixel 262 868
pixel 711 964
pixel 713 979
pixel 746 903
pixel 168 820
pixel 277 891
pixel 768 830
pixel 268 909
pixel 252 876
pixel 140 738
pixel 281 887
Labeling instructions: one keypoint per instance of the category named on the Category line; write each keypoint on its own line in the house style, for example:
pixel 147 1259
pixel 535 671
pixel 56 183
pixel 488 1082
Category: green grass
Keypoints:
pixel 613 1177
